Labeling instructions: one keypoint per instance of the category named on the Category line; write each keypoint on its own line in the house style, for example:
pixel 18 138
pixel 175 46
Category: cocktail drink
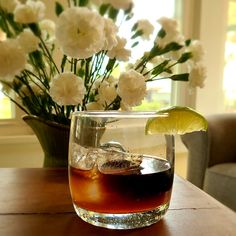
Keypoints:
pixel 120 177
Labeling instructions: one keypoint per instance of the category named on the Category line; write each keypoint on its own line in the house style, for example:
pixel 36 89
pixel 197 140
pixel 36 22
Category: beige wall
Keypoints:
pixel 20 151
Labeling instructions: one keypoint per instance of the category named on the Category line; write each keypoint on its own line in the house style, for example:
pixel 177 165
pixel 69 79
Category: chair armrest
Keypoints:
pixel 222 138
pixel 197 145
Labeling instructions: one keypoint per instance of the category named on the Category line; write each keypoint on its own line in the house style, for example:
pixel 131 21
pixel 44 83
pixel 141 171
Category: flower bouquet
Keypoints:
pixel 82 62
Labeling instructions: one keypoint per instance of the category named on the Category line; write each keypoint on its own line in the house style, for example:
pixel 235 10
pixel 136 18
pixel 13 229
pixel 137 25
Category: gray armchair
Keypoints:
pixel 212 158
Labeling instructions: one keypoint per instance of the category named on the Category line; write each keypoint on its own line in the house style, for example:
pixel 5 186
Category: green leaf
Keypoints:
pixel 160 68
pixel 38 59
pixel 180 77
pixel 161 33
pixel 17 27
pixel 35 29
pixel 137 34
pixel 103 9
pixel 113 13
pixel 135 26
pixel 129 16
pixel 173 46
pixel 81 72
pixel 110 64
pixel 184 57
pixel 155 51
pixel 58 8
pixel 83 3
pixel 134 44
pixel 188 42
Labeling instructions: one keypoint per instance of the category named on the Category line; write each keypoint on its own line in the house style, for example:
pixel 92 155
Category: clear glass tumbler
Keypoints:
pixel 120 177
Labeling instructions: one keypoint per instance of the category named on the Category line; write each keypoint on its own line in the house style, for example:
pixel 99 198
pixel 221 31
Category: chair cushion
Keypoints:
pixel 220 182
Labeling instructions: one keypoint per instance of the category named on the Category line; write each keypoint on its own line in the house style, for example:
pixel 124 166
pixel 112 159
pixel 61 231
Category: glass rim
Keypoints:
pixel 115 114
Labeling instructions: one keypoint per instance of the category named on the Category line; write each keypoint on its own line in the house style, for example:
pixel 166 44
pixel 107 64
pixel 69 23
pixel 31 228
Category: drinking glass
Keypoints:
pixel 120 177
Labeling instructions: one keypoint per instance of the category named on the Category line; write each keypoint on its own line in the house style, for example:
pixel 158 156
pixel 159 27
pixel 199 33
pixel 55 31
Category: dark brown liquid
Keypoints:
pixel 123 193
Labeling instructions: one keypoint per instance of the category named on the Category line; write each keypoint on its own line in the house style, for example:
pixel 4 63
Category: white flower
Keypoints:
pixel 30 12
pixel 28 41
pixel 170 27
pixel 8 5
pixel 119 4
pixel 124 107
pixel 94 106
pixel 140 69
pixel 197 76
pixel 67 89
pixel 168 24
pixel 146 27
pixel 119 51
pixel 80 32
pixel 12 58
pixel 197 50
pixel 48 30
pixel 110 34
pixel 106 93
pixel 131 88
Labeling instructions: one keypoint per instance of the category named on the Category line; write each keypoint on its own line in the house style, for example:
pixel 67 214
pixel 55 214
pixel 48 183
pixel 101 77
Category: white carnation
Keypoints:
pixel 94 106
pixel 197 76
pixel 119 51
pixel 48 30
pixel 146 27
pixel 80 32
pixel 170 26
pixel 119 4
pixel 124 107
pixel 30 12
pixel 8 5
pixel 106 93
pixel 197 50
pixel 67 89
pixel 131 88
pixel 110 34
pixel 28 41
pixel 12 58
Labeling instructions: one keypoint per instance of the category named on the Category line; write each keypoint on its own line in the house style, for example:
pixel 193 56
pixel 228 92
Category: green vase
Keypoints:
pixel 53 138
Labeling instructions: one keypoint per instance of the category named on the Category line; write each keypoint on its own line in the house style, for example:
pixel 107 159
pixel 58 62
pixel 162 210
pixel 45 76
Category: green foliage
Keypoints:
pixel 58 8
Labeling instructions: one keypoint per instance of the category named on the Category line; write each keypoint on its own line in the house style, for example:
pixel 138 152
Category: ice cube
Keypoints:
pixel 110 159
pixel 82 158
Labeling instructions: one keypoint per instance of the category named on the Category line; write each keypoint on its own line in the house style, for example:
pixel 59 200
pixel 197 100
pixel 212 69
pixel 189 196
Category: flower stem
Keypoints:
pixel 49 54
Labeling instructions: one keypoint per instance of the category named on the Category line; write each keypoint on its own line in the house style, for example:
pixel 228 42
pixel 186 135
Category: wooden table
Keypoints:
pixel 37 202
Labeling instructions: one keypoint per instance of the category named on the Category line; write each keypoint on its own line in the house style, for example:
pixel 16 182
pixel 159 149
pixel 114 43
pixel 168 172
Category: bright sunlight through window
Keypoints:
pixel 230 60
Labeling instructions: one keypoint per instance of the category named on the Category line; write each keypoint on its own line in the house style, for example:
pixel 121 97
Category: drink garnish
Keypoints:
pixel 176 120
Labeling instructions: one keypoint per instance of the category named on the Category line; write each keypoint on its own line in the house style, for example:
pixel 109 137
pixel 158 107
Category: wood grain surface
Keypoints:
pixel 37 202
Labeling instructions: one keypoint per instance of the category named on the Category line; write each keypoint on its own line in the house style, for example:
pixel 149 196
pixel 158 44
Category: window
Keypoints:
pixel 5 107
pixel 159 92
pixel 229 83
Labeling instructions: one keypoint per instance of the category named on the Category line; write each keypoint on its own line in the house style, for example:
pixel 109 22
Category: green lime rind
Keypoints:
pixel 176 120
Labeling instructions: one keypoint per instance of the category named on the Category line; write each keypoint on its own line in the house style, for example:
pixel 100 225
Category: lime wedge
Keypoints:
pixel 176 120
